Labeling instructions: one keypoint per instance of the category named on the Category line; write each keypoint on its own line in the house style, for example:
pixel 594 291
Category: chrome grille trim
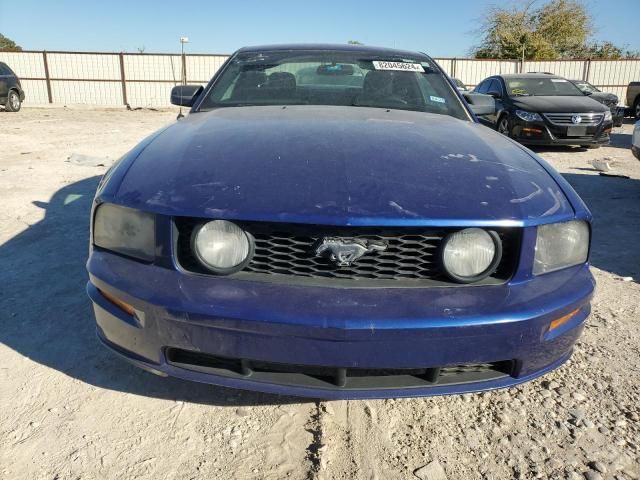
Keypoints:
pixel 565 119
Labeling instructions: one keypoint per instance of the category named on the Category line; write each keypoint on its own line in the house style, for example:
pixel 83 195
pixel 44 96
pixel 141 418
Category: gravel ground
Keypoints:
pixel 71 410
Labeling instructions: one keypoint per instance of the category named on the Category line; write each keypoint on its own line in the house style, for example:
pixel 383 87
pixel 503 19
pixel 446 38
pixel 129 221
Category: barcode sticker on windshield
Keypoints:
pixel 398 66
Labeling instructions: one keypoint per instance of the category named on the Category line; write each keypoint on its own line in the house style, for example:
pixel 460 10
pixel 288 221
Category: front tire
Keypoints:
pixel 13 102
pixel 503 126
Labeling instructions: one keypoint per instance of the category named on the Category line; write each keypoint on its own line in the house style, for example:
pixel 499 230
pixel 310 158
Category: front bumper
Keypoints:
pixel 546 133
pixel 335 328
pixel 617 113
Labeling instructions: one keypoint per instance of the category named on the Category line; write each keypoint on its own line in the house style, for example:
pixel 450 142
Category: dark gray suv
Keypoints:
pixel 11 93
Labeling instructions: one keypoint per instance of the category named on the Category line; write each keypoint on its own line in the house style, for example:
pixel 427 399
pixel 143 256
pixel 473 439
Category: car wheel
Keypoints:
pixel 503 126
pixel 636 108
pixel 13 102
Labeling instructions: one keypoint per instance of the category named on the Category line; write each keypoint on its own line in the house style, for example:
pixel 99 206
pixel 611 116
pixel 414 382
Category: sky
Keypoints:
pixel 439 28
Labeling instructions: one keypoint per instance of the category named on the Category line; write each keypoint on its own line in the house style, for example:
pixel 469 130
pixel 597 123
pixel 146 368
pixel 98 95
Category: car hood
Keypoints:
pixel 558 104
pixel 605 98
pixel 339 165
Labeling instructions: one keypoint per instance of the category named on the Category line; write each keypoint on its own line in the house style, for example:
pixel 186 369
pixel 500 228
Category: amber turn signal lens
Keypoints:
pixel 118 303
pixel 562 320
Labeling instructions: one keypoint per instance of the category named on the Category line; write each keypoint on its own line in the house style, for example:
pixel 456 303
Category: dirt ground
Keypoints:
pixel 71 410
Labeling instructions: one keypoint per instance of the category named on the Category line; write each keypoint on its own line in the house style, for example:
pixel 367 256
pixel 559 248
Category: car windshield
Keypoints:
pixel 459 83
pixel 586 87
pixel 537 86
pixel 334 78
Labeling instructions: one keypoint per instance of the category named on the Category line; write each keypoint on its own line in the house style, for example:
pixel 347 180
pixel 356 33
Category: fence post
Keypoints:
pixel 586 70
pixel 123 80
pixel 453 68
pixel 184 70
pixel 46 76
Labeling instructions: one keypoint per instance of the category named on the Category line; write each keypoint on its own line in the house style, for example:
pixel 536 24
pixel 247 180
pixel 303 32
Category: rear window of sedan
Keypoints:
pixel 333 78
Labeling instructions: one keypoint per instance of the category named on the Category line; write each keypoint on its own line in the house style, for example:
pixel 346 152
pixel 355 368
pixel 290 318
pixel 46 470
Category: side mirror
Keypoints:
pixel 494 94
pixel 480 104
pixel 185 95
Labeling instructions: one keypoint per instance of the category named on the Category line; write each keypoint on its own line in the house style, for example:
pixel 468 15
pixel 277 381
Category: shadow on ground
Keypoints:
pixel 615 204
pixel 46 316
pixel 621 140
pixel 618 140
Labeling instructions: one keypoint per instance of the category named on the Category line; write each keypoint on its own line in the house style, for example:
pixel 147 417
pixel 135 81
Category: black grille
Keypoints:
pixel 337 377
pixel 408 255
pixel 286 252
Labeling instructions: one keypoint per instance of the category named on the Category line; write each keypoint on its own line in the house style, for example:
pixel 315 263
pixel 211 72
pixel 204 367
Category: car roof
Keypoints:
pixel 392 52
pixel 527 75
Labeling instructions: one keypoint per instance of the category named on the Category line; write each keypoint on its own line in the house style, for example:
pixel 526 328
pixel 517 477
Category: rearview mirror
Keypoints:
pixel 335 69
pixel 185 95
pixel 480 104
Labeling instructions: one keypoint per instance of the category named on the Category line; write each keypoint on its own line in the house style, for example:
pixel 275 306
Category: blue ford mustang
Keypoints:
pixel 333 222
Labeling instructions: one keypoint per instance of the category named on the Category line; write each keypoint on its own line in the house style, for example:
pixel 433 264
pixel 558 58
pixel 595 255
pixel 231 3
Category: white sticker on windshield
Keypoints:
pixel 398 66
pixel 437 99
pixel 558 80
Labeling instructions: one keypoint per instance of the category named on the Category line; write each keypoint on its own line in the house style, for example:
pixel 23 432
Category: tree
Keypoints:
pixel 565 25
pixel 603 50
pixel 6 44
pixel 556 30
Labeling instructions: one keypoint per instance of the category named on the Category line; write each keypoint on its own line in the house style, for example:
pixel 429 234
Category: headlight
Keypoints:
pixel 561 245
pixel 607 116
pixel 471 254
pixel 125 230
pixel 528 116
pixel 222 246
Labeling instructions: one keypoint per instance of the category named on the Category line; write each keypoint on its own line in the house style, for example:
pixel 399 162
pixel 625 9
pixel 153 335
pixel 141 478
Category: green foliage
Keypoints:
pixel 7 44
pixel 559 29
pixel 603 50
pixel 565 25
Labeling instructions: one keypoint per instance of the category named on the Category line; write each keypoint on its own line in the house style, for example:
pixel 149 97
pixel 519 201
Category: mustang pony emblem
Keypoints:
pixel 344 252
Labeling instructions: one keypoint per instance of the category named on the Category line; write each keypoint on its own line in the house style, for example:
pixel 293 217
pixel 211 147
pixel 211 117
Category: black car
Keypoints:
pixel 459 85
pixel 543 109
pixel 11 93
pixel 608 99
